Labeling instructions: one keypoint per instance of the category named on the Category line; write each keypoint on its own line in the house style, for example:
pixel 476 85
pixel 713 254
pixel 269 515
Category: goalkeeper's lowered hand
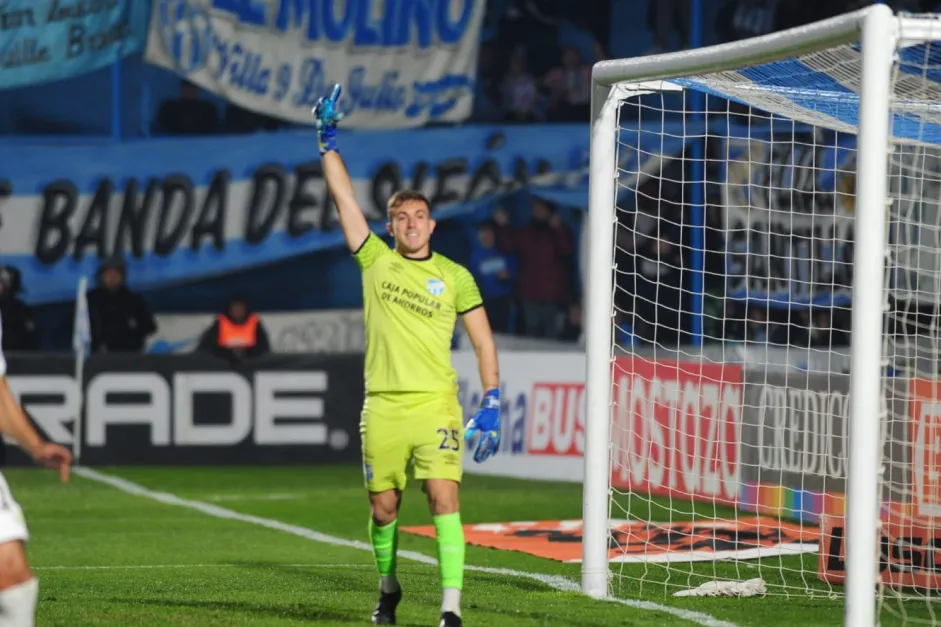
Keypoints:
pixel 326 116
pixel 487 423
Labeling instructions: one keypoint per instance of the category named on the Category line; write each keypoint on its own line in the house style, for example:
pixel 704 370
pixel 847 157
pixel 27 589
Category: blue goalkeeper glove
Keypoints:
pixel 487 423
pixel 326 117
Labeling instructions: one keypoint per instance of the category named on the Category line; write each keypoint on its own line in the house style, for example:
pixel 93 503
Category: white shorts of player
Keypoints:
pixel 12 522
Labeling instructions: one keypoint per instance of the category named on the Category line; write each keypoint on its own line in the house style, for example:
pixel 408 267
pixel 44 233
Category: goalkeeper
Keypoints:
pixel 411 300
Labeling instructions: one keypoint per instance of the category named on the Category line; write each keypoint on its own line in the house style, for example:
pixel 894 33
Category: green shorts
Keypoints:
pixel 424 428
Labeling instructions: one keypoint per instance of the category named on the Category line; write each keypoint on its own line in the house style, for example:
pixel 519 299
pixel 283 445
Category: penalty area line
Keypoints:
pixel 557 582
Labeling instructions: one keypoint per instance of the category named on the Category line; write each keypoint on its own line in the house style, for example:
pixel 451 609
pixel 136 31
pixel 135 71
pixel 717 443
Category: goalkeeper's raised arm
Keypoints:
pixel 352 220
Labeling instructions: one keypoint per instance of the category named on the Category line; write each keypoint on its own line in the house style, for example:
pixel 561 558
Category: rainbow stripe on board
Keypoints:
pixel 803 505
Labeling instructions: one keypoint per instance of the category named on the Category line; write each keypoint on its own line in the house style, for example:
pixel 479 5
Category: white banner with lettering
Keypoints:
pixel 401 64
pixel 790 209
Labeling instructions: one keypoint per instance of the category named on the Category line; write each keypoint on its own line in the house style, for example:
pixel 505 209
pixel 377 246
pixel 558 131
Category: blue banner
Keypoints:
pixel 48 40
pixel 184 209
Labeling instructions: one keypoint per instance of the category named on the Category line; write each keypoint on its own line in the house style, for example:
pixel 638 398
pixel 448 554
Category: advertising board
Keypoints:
pixel 926 447
pixel 796 426
pixel 909 550
pixel 676 428
pixel 543 414
pixel 171 409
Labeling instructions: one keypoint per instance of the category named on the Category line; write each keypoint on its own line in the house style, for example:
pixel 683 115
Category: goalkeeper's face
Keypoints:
pixel 411 225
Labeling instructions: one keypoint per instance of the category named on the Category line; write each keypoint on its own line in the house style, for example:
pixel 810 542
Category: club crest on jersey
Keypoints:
pixel 435 287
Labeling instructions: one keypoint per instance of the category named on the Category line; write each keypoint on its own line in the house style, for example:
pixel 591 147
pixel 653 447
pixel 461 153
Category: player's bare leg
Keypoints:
pixel 444 502
pixel 384 535
pixel 18 587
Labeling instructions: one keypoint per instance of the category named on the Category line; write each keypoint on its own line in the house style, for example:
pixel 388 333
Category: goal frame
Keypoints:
pixel 880 32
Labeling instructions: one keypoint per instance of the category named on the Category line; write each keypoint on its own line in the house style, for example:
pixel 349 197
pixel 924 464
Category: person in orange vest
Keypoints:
pixel 236 334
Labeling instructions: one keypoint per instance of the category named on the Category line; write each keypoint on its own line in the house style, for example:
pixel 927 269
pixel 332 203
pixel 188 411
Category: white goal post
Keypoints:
pixel 874 35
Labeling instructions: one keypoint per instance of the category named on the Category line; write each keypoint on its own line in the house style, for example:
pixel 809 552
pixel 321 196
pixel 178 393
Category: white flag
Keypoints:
pixel 81 329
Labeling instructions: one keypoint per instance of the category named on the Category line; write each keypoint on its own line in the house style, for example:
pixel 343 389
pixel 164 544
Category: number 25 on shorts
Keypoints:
pixel 450 440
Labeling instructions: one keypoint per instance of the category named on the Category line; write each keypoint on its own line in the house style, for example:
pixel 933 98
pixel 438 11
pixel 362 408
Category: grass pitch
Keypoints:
pixel 106 557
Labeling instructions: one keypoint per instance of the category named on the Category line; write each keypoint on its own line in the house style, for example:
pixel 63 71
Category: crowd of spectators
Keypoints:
pixel 535 62
pixel 121 322
pixel 526 273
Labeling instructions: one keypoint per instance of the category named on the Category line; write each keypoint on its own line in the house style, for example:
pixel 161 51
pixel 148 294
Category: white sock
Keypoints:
pixel 451 601
pixel 387 584
pixel 18 604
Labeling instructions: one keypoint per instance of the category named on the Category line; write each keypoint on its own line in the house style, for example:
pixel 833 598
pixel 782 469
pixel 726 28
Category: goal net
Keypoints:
pixel 765 320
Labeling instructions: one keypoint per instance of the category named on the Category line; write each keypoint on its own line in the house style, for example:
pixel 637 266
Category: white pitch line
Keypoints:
pixel 562 584
pixel 286 496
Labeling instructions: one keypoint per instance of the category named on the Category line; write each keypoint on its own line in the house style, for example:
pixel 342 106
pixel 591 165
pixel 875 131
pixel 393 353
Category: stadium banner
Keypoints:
pixel 543 414
pixel 794 432
pixel 915 237
pixel 319 331
pixel 170 409
pixel 676 429
pixel 789 215
pixel 49 40
pixel 401 64
pixel 183 209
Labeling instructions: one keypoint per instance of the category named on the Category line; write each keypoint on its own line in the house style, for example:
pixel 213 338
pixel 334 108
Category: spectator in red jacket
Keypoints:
pixel 544 249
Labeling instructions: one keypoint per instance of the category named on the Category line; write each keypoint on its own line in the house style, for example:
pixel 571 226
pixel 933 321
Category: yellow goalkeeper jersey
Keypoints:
pixel 410 308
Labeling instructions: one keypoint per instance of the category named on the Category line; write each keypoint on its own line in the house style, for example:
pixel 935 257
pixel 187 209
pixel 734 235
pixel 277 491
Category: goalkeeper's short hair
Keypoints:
pixel 403 196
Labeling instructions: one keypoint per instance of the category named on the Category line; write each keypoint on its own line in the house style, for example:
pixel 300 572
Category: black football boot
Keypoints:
pixel 384 614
